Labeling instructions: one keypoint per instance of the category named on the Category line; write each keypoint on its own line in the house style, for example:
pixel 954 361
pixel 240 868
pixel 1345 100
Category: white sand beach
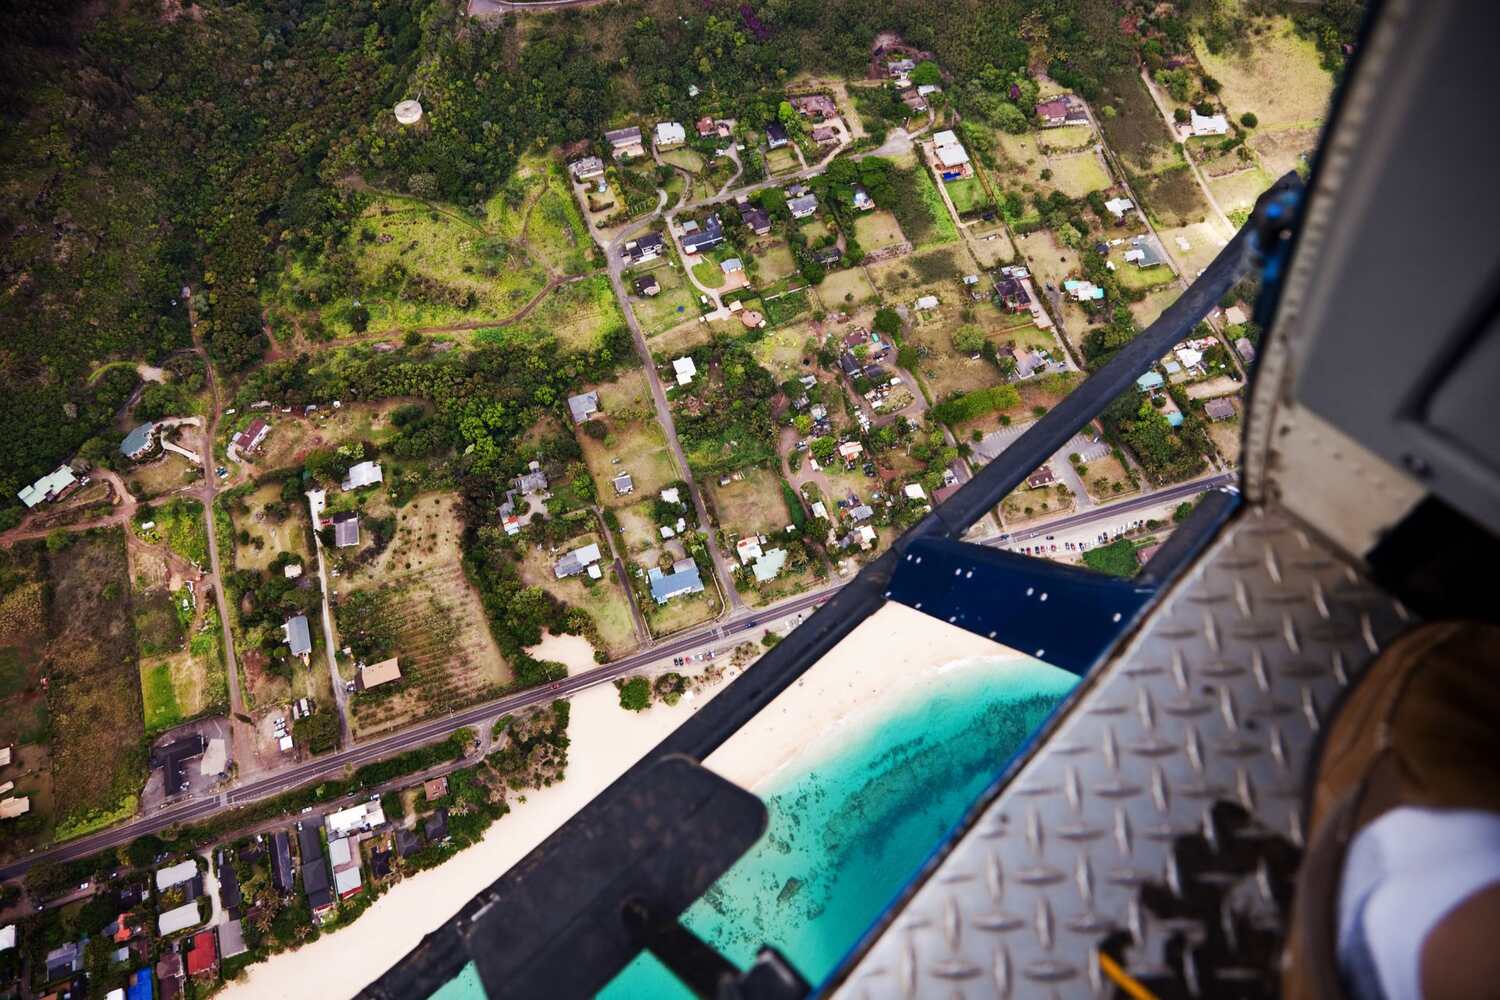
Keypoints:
pixel 606 740
pixel 895 650
pixel 572 651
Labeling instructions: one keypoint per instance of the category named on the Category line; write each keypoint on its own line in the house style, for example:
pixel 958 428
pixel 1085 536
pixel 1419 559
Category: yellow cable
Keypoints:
pixel 1123 979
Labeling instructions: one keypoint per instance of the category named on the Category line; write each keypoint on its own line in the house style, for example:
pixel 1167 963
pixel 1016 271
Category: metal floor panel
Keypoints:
pixel 1161 821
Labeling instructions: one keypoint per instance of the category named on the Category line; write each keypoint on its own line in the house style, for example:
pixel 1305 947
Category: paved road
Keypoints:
pixel 1178 492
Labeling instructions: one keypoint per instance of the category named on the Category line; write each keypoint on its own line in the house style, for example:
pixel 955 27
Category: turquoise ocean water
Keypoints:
pixel 853 820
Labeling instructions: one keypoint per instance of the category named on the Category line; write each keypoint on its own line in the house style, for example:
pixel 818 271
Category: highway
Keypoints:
pixel 436 729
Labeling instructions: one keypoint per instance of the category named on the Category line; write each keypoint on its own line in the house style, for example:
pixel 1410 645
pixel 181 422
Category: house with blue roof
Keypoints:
pixel 139 986
pixel 1150 380
pixel 683 579
pixel 1175 418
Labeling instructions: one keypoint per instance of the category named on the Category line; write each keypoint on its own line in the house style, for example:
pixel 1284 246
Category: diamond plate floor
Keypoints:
pixel 1162 820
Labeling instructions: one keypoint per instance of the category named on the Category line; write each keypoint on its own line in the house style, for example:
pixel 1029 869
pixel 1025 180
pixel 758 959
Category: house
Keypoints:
pixel 583 406
pixel 1190 357
pixel 1174 418
pixel 625 142
pixel 1208 124
pixel 138 985
pixel 1145 252
pixel 646 286
pixel 231 939
pixel 15 805
pixel 7 937
pixel 1235 316
pixel 769 565
pixel 408 842
pixel 355 819
pixel 1041 477
pixel 345 530
pixel 532 482
pixel 731 265
pixel 297 635
pixel 824 134
pixel 314 870
pixel 914 491
pixel 914 101
pixel 586 168
pixel 169 975
pixel 672 494
pixel 250 438
pixel 900 67
pixel 577 561
pixel 176 874
pixel 435 788
pixel 706 127
pixel 139 442
pixel 64 960
pixel 685 370
pixel 344 854
pixel 1245 349
pixel 803 206
pixel 179 919
pixel 1218 409
pixel 1012 294
pixel 380 863
pixel 850 451
pixel 850 365
pixel 291 570
pixel 1083 291
pixel 203 954
pixel 756 219
pixel 1118 207
pixel 928 89
pixel 776 136
pixel 748 549
pixel 436 827
pixel 361 475
pixel 380 673
pixel 1150 380
pixel 861 512
pixel 862 200
pixel 281 861
pixel 640 251
pixel 828 256
pixel 683 579
pixel 927 303
pixel 53 486
pixel 952 158
pixel 172 758
pixel 623 484
pixel 818 107
pixel 230 896
pixel 1062 110
pixel 696 239
pixel 669 135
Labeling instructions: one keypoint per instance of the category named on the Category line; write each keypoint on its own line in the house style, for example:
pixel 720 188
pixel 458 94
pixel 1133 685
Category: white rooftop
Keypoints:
pixel 175 874
pixel 915 491
pixel 355 818
pixel 671 495
pixel 180 919
pixel 685 370
pixel 668 133
pixel 363 474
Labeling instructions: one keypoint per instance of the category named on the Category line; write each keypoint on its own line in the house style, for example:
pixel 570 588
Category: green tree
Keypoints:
pixel 1011 118
pixel 888 322
pixel 927 74
pixel 968 339
pixel 635 694
pixel 1249 119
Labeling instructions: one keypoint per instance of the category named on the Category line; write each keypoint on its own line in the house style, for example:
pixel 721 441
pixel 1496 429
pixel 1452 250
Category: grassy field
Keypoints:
pixel 937 272
pixel 536 205
pixel 993 249
pixel 1239 190
pixel 1136 131
pixel 815 229
pixel 162 475
pixel 751 505
pixel 1106 479
pixel 1154 304
pixel 1228 437
pixel 780 161
pixel 709 274
pixel 578 313
pixel 603 599
pixel 685 158
pixel 1283 149
pixel 186 684
pixel 1173 197
pixel 782 351
pixel 1130 276
pixel 178 524
pixel 947 371
pixel 635 443
pixel 1067 139
pixel 877 230
pixel 94 695
pixel 270 536
pixel 683 612
pixel 1076 174
pixel 969 195
pixel 1273 73
pixel 836 289
pixel 676 301
pixel 683 337
pixel 1204 242
pixel 937 227
pixel 775 261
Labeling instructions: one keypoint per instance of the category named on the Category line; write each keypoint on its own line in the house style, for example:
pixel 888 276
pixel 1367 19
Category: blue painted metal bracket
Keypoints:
pixel 1065 616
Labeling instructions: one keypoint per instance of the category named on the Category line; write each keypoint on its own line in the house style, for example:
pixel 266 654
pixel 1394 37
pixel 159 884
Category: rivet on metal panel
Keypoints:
pixel 994 875
pixel 1210 829
pixel 1242 597
pixel 1123 840
pixel 1273 567
pixel 1227 708
pixel 1294 825
pixel 1159 788
pixel 1258 668
pixel 1034 831
pixel 1111 749
pixel 1288 632
pixel 1367 631
pixel 1085 876
pixel 951 923
pixel 1135 922
pixel 1000 969
pixel 1194 748
pixel 1174 877
pixel 1210 631
pixel 1340 672
pixel 1147 708
pixel 907 970
pixel 1179 669
pixel 1278 747
pixel 1044 922
pixel 1072 787
pixel 1310 709
pixel 1244 789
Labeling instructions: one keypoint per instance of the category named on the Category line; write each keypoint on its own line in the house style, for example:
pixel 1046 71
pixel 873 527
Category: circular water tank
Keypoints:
pixel 409 112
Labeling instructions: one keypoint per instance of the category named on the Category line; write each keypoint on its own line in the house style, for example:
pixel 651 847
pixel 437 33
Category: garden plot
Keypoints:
pixel 1228 437
pixel 448 657
pixel 782 351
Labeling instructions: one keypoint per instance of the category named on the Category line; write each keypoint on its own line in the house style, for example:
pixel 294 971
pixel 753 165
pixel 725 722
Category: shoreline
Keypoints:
pixel 878 666
pixel 606 741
